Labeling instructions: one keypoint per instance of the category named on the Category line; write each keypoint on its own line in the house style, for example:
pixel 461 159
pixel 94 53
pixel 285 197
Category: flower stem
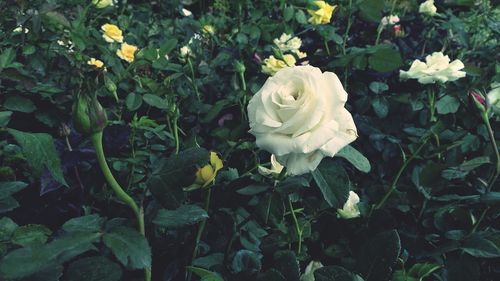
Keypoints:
pixel 193 78
pixel 120 193
pixel 176 135
pixel 400 172
pixel 297 226
pixel 431 96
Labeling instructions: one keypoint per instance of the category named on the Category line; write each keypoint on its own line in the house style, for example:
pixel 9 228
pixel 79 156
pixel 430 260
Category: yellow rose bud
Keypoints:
pixel 272 64
pixel 208 29
pixel 112 33
pixel 323 14
pixel 95 62
pixel 206 174
pixel 127 52
pixel 101 4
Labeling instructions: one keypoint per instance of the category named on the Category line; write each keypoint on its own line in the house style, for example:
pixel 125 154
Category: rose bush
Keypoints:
pixel 299 115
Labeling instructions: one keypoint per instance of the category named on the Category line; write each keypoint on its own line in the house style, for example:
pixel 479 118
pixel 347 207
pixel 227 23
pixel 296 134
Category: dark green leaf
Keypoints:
pixel 5 118
pixel 371 10
pixel 483 246
pixel 9 188
pixel 7 204
pixel 94 269
pixel 155 101
pixel 18 103
pixel 286 263
pixel 133 101
pixel 204 274
pixel 447 104
pixel 333 182
pixel 89 223
pixel 461 267
pixel 335 273
pixel 271 209
pixel 31 234
pixel 379 255
pixel 7 227
pixel 183 216
pixel 422 270
pixel 129 246
pixel 385 58
pixel 246 261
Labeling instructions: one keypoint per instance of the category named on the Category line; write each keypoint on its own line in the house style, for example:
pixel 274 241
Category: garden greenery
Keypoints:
pixel 338 140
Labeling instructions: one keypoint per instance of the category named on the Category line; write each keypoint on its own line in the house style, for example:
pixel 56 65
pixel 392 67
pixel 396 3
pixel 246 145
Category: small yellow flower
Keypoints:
pixel 323 14
pixel 272 64
pixel 127 52
pixel 95 62
pixel 101 4
pixel 206 174
pixel 112 33
pixel 208 29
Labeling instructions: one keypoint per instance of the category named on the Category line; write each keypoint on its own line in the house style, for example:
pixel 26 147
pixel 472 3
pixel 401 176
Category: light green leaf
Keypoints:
pixel 333 182
pixel 31 234
pixel 129 247
pixel 40 152
pixel 447 104
pixel 355 158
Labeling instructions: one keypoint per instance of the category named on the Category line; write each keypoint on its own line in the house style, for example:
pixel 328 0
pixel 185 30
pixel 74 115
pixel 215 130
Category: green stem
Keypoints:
pixel 176 135
pixel 120 193
pixel 201 228
pixel 431 96
pixel 193 78
pixel 349 23
pixel 398 175
pixel 297 226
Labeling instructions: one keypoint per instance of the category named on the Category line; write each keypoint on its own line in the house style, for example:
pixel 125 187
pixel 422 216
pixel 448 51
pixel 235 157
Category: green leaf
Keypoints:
pixel 371 10
pixel 421 270
pixel 335 273
pixel 183 216
pixel 42 257
pixel 270 275
pixel 174 173
pixel 385 58
pixel 129 246
pixel 271 208
pixel 133 101
pixel 89 223
pixel 94 269
pixel 7 227
pixel 155 101
pixel 10 187
pixel 18 103
pixel 7 57
pixel 355 157
pixel 246 261
pixel 380 106
pixel 484 245
pixel 292 184
pixel 204 274
pixel 286 263
pixel 333 182
pixel 168 46
pixel 40 152
pixel 379 254
pixel 7 204
pixel 5 118
pixel 461 267
pixel 31 234
pixel 447 104
pixel 214 111
pixel 288 13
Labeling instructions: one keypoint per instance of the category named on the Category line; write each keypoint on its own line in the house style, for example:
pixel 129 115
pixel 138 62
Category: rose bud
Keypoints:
pixel 88 115
pixel 479 100
pixel 398 31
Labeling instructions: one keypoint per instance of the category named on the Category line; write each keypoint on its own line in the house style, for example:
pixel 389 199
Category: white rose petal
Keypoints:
pixel 350 209
pixel 275 170
pixel 392 19
pixel 428 8
pixel 299 116
pixel 437 68
pixel 309 271
pixel 186 12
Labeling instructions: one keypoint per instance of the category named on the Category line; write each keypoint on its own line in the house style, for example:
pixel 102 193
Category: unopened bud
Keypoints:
pixel 479 100
pixel 88 115
pixel 111 86
pixel 239 67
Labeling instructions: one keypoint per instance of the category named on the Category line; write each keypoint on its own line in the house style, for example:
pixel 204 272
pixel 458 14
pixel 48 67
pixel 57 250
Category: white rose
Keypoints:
pixel 309 271
pixel 392 19
pixel 185 51
pixel 350 209
pixel 428 8
pixel 186 12
pixel 493 98
pixel 299 116
pixel 437 68
pixel 275 170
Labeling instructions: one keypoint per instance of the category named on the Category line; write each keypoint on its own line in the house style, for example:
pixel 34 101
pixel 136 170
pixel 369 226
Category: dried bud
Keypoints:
pixel 88 115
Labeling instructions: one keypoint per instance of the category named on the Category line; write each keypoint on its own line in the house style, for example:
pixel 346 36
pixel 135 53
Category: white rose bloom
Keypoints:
pixel 350 209
pixel 493 98
pixel 309 271
pixel 437 68
pixel 286 43
pixel 186 12
pixel 185 51
pixel 299 116
pixel 392 19
pixel 275 170
pixel 428 8
pixel 20 29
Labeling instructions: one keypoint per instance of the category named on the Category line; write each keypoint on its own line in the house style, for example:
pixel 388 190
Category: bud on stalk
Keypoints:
pixel 88 115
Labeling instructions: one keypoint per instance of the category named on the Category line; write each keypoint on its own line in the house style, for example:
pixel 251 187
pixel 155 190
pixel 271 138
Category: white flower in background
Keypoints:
pixel 185 51
pixel 275 170
pixel 493 98
pixel 437 68
pixel 350 209
pixel 286 43
pixel 299 116
pixel 20 29
pixel 309 271
pixel 186 12
pixel 392 19
pixel 428 8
